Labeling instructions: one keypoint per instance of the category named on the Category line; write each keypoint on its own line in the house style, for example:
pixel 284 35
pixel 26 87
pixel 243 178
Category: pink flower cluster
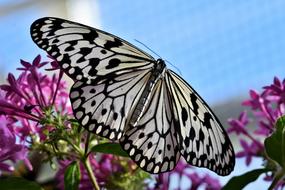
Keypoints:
pixel 164 180
pixel 23 102
pixel 104 167
pixel 266 107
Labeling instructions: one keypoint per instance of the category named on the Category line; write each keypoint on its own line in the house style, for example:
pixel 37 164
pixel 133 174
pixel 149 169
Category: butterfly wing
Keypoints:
pixel 152 143
pixel 86 53
pixel 104 108
pixel 204 142
pixel 109 73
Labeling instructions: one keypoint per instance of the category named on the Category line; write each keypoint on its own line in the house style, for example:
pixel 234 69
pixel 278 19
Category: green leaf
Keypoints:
pixel 239 182
pixel 72 176
pixel 275 144
pixel 110 148
pixel 13 183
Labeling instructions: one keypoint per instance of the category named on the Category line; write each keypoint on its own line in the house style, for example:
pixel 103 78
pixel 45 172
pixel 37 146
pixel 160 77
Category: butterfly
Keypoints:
pixel 122 93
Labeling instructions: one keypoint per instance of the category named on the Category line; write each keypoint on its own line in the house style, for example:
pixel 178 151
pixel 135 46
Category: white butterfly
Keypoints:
pixel 123 93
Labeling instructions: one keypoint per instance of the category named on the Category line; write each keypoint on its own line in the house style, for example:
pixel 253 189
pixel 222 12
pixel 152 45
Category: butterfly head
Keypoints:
pixel 160 64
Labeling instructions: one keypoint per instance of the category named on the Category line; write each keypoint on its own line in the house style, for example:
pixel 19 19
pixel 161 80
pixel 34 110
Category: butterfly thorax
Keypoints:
pixel 156 72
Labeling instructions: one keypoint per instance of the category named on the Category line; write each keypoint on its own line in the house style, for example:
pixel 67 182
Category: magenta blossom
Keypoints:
pixel 104 169
pixel 249 150
pixel 195 180
pixel 30 95
pixel 238 125
pixel 266 107
pixel 23 103
pixel 10 150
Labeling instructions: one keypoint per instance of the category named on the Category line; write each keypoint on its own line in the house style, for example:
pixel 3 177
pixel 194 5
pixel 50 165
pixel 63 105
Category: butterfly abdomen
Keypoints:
pixel 142 103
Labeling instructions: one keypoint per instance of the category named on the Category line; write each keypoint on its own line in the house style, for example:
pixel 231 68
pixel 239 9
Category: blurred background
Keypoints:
pixel 222 48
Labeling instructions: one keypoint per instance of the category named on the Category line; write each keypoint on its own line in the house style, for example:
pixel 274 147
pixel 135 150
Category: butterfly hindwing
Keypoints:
pixel 104 107
pixel 86 53
pixel 152 143
pixel 204 142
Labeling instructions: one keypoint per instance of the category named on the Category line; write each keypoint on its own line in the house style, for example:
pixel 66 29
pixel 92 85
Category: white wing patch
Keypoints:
pixel 152 143
pixel 204 142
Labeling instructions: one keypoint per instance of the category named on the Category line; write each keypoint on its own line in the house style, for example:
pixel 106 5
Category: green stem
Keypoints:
pixel 277 177
pixel 87 165
pixel 87 144
pixel 91 175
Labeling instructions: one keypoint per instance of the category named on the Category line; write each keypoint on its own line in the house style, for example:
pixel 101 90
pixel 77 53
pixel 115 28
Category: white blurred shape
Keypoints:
pixel 84 11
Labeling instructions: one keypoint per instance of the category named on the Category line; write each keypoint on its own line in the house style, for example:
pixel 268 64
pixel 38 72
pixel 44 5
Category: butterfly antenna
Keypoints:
pixel 158 55
pixel 148 48
pixel 174 67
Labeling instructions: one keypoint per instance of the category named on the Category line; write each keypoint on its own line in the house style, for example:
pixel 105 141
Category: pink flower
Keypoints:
pixel 238 125
pixel 185 170
pixel 277 91
pixel 103 168
pixel 24 101
pixel 249 150
pixel 266 108
pixel 10 150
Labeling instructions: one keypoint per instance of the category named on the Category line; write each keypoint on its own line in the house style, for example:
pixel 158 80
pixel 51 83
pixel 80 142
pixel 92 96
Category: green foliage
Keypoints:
pixel 110 148
pixel 72 176
pixel 14 183
pixel 275 152
pixel 127 181
pixel 239 182
pixel 275 144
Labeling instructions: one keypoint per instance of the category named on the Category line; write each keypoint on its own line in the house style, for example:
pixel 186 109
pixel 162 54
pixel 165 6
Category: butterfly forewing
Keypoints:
pixel 152 143
pixel 204 142
pixel 86 53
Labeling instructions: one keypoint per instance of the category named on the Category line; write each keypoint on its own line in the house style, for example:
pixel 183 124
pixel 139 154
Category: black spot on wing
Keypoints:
pixel 197 145
pixel 184 115
pixel 92 91
pixel 103 51
pixel 149 145
pixel 69 48
pixel 93 103
pixel 187 141
pixel 93 62
pixel 92 72
pixel 194 103
pixel 192 133
pixel 141 135
pixel 115 116
pixel 85 51
pixel 111 44
pixel 201 135
pixel 168 147
pixel 104 111
pixel 207 120
pixel 113 63
pixel 91 36
pixel 54 41
pixel 123 112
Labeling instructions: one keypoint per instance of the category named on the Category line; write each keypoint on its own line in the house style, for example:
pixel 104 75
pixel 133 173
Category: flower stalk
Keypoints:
pixel 91 175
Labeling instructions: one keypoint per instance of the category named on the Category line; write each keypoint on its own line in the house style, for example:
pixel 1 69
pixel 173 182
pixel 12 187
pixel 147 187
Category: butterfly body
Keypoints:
pixel 156 72
pixel 122 93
